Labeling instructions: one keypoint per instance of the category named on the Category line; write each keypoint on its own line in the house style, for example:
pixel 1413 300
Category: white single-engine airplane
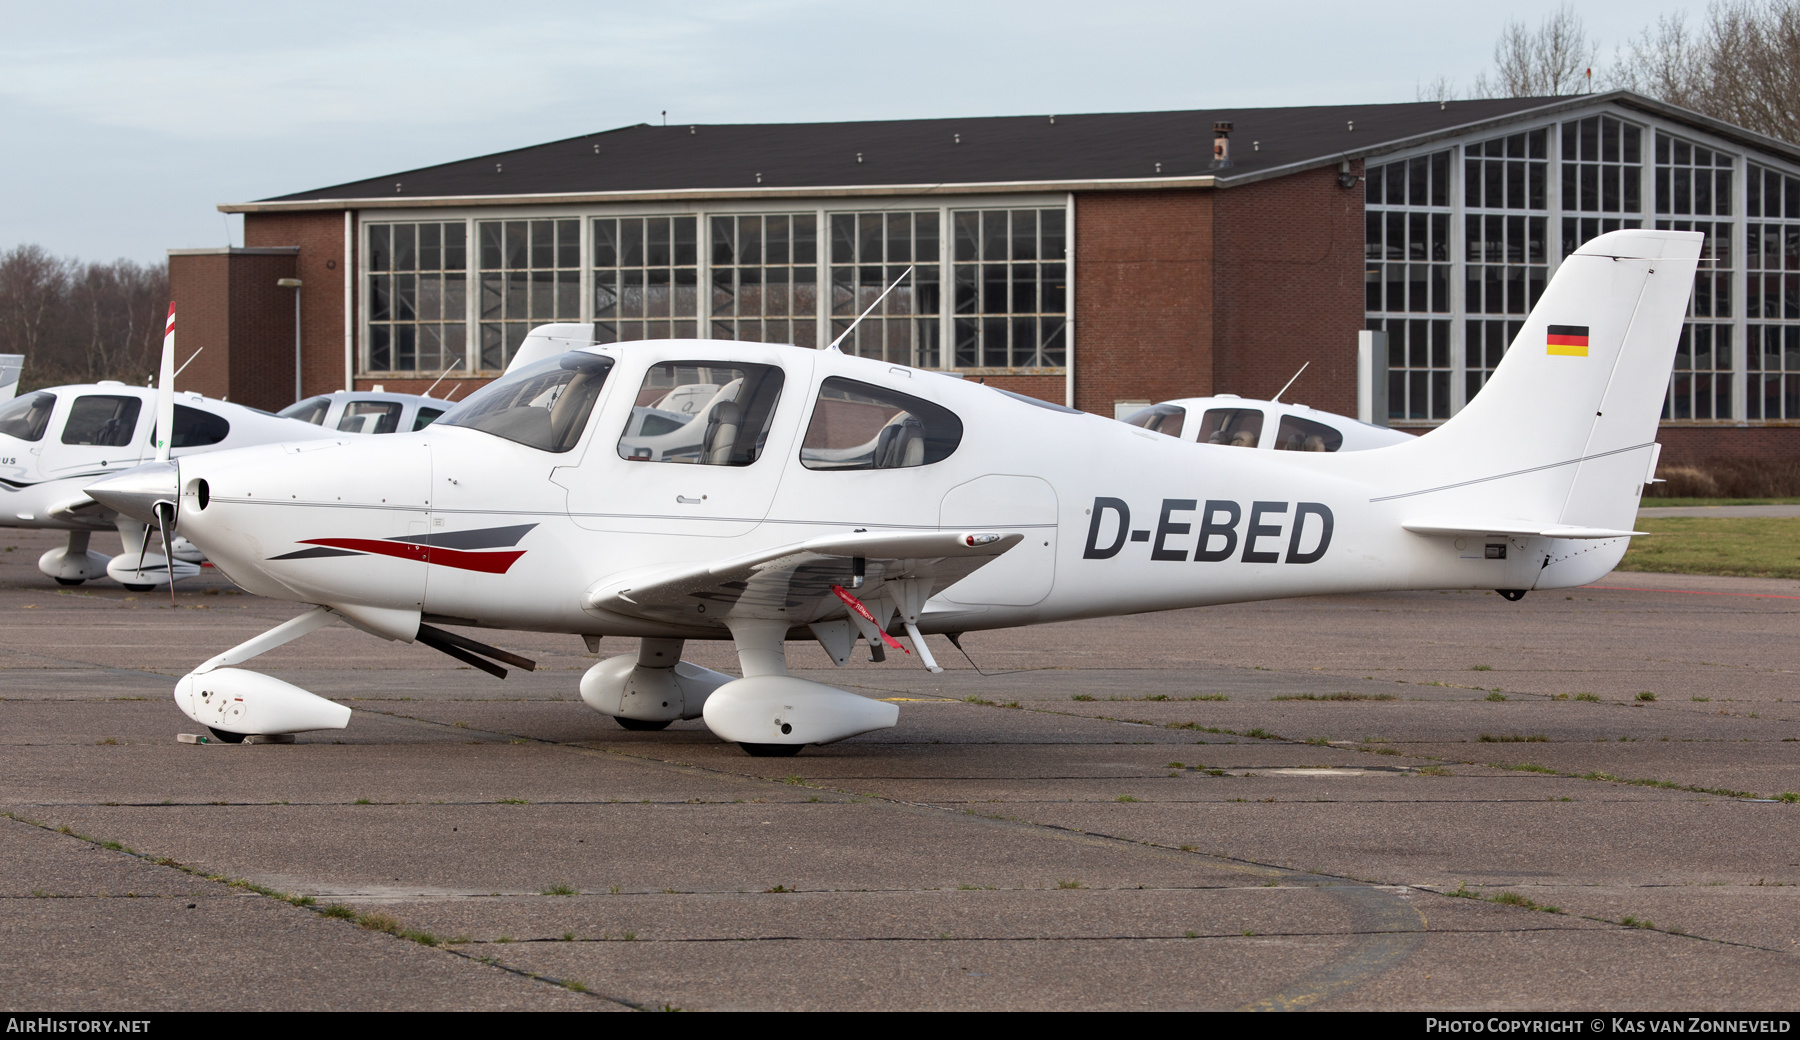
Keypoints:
pixel 818 495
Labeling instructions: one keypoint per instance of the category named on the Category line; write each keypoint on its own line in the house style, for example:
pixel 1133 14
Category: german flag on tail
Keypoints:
pixel 1568 340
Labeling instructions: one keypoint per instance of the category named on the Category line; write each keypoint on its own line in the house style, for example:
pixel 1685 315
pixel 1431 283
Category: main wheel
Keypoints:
pixel 642 723
pixel 129 587
pixel 226 738
pixel 770 750
pixel 70 581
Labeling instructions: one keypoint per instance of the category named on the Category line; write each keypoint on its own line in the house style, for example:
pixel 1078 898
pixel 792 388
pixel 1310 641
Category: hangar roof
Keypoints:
pixel 1127 150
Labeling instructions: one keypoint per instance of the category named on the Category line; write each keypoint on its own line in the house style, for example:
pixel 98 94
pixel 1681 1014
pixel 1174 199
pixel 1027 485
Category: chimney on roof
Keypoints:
pixel 1221 145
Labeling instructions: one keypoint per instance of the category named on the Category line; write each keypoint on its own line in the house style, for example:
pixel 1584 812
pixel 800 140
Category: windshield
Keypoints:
pixel 1160 418
pixel 27 417
pixel 312 410
pixel 543 406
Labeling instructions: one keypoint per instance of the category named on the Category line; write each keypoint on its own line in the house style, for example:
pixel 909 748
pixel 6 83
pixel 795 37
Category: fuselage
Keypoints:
pixel 478 529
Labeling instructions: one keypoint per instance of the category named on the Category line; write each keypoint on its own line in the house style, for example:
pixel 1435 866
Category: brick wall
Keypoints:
pixel 200 286
pixel 1696 445
pixel 1143 298
pixel 1289 286
pixel 227 302
pixel 320 237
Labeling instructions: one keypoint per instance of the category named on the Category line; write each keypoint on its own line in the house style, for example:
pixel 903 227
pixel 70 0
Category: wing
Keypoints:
pixel 793 582
pixel 1478 526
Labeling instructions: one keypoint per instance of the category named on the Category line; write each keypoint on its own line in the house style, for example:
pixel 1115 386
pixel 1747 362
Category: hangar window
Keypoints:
pixel 702 412
pixel 27 417
pixel 1772 293
pixel 861 426
pixel 1162 418
pixel 869 252
pixel 1505 227
pixel 645 278
pixel 765 278
pixel 102 420
pixel 1233 427
pixel 530 274
pixel 1011 288
pixel 1695 182
pixel 1603 175
pixel 418 301
pixel 1407 271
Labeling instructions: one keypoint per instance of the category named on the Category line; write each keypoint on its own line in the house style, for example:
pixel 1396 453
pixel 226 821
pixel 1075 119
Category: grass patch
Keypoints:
pixel 1199 727
pixel 1646 695
pixel 511 801
pixel 1512 738
pixel 1496 696
pixel 1636 922
pixel 1481 668
pixel 1789 797
pixel 1435 771
pixel 338 910
pixel 1337 697
pixel 1082 697
pixel 1263 734
pixel 1748 546
pixel 1125 798
pixel 1069 883
pixel 778 890
pixel 1652 502
pixel 1586 697
pixel 1523 767
pixel 559 889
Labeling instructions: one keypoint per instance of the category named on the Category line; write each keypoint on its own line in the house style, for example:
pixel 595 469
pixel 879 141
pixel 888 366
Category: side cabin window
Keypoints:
pixel 102 420
pixel 860 426
pixel 702 413
pixel 27 417
pixel 371 417
pixel 1161 418
pixel 544 406
pixel 426 417
pixel 1297 434
pixel 195 428
pixel 1234 427
pixel 312 410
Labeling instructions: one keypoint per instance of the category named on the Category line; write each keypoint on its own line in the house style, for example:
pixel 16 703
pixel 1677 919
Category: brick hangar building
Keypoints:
pixel 1101 261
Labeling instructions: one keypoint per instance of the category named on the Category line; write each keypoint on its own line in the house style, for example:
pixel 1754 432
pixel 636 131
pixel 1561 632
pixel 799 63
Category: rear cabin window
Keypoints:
pixel 27 417
pixel 702 413
pixel 371 417
pixel 102 420
pixel 861 426
pixel 1161 418
pixel 426 417
pixel 195 428
pixel 1233 427
pixel 1297 434
pixel 312 410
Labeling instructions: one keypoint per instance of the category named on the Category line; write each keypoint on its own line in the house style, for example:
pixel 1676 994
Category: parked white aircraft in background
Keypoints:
pixel 11 365
pixel 1242 422
pixel 367 411
pixel 831 497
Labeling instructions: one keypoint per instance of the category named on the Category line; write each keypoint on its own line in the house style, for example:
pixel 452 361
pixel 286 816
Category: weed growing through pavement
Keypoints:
pixel 1481 668
pixel 1345 696
pixel 362 801
pixel 1789 796
pixel 338 910
pixel 1069 883
pixel 778 890
pixel 1082 697
pixel 1124 798
pixel 1496 696
pixel 559 889
pixel 511 801
pixel 1646 695
pixel 1703 700
pixel 1512 738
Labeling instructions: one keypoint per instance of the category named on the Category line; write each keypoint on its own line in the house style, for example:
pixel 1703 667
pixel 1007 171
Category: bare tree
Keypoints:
pixel 1555 58
pixel 80 322
pixel 1742 66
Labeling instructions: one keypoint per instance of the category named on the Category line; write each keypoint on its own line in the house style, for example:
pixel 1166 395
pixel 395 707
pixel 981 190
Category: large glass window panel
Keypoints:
pixel 1017 309
pixel 417 292
pixel 871 251
pixel 646 279
pixel 1771 256
pixel 765 278
pixel 530 274
pixel 1408 271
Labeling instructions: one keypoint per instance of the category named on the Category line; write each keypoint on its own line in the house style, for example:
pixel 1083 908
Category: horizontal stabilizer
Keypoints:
pixel 1513 527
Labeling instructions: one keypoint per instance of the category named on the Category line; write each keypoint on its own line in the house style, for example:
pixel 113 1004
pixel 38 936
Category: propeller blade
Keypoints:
pixel 165 515
pixel 143 550
pixel 165 391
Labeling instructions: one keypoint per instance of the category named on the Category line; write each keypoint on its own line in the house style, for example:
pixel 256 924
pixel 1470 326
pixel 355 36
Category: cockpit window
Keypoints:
pixel 1161 418
pixel 1235 427
pixel 544 406
pixel 103 420
pixel 701 412
pixel 426 417
pixel 1297 434
pixel 371 417
pixel 860 426
pixel 312 410
pixel 27 417
pixel 195 428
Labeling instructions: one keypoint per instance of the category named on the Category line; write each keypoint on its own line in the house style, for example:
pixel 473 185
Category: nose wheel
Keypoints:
pixel 224 737
pixel 771 750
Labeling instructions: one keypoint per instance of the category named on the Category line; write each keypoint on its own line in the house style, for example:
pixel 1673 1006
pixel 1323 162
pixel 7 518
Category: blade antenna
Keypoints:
pixel 189 361
pixel 454 365
pixel 872 306
pixel 165 391
pixel 1284 387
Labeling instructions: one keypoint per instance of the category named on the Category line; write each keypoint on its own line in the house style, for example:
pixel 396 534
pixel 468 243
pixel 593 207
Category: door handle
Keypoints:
pixel 686 501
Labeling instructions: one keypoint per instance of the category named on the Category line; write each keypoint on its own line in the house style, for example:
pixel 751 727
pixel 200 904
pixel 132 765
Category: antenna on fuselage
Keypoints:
pixel 1284 387
pixel 454 365
pixel 872 306
pixel 185 364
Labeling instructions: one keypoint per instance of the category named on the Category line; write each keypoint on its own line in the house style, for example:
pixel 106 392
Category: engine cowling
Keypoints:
pixel 621 686
pixel 239 701
pixel 781 709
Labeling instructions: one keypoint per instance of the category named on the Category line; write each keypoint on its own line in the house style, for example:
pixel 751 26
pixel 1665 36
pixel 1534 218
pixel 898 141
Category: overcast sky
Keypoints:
pixel 126 124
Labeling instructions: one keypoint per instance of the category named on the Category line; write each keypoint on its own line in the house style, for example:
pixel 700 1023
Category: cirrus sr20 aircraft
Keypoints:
pixel 674 490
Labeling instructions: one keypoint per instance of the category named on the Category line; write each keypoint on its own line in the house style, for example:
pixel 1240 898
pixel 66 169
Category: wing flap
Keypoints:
pixel 794 581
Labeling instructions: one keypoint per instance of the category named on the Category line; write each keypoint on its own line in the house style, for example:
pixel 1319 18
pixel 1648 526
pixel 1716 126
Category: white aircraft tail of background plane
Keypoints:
pixel 680 489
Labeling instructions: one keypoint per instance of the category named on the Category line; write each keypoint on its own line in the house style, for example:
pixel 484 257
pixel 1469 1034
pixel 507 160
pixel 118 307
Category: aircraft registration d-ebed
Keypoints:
pixel 674 490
